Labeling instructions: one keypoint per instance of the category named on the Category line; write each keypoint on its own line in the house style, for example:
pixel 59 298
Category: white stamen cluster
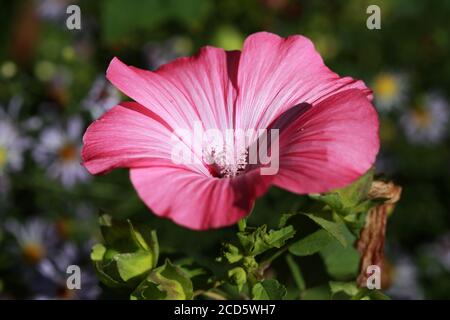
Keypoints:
pixel 228 162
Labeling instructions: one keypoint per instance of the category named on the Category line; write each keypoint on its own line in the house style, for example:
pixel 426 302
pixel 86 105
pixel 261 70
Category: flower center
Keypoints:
pixel 224 162
pixel 3 157
pixel 386 85
pixel 33 253
pixel 68 152
pixel 422 118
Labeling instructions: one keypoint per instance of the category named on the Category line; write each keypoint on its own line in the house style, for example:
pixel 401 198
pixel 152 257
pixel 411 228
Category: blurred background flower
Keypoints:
pixel 58 151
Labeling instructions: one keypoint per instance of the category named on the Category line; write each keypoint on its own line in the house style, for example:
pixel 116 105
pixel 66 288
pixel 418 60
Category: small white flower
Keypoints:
pixel 427 123
pixel 52 10
pixel 58 151
pixel 33 237
pixel 12 142
pixel 440 250
pixel 390 90
pixel 159 53
pixel 405 284
pixel 54 269
pixel 102 97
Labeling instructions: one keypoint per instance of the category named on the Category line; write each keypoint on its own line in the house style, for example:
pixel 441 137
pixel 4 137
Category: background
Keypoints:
pixel 52 85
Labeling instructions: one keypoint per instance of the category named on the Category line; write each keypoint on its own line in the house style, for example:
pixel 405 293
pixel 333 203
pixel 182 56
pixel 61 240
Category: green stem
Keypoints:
pixel 266 263
pixel 242 224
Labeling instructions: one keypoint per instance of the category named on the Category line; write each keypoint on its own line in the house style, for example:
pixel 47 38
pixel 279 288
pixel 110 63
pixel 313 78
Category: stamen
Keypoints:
pixel 224 162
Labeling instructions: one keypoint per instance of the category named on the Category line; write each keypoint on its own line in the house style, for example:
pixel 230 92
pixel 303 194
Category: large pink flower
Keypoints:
pixel 328 127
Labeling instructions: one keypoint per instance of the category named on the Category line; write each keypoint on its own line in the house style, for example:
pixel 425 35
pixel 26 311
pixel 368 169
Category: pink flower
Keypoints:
pixel 328 127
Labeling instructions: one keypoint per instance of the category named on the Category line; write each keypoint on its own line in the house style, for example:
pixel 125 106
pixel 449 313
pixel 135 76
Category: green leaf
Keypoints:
pixel 258 241
pixel 154 247
pixel 231 253
pixel 336 229
pixel 117 234
pixel 370 294
pixel 349 288
pixel 311 244
pixel 98 251
pixel 269 289
pixel 316 293
pixel 347 200
pixel 127 254
pixel 277 238
pixel 137 237
pixel 131 265
pixel 341 262
pixel 167 282
pixel 238 277
pixel 357 191
pixel 284 219
pixel 200 276
pixel 105 278
pixel 296 273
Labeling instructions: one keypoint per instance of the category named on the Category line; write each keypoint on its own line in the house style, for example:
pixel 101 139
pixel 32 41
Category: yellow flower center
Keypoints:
pixel 68 152
pixel 422 118
pixel 386 86
pixel 33 252
pixel 3 157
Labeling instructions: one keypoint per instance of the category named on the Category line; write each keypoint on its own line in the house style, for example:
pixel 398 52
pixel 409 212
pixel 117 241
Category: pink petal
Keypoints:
pixel 276 73
pixel 186 90
pixel 329 145
pixel 195 201
pixel 128 135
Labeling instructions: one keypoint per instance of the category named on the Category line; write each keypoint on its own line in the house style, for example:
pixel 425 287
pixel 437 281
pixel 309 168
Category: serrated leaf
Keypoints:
pixel 336 229
pixel 238 277
pixel 277 238
pixel 311 244
pixel 131 265
pixel 347 200
pixel 167 282
pixel 231 253
pixel 269 289
pixel 357 191
pixel 259 240
pixel 284 219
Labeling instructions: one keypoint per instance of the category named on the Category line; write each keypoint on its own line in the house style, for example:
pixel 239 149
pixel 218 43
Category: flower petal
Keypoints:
pixel 187 90
pixel 276 73
pixel 194 200
pixel 329 145
pixel 128 135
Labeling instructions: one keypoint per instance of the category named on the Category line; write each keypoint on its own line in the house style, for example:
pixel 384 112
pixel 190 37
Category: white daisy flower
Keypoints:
pixel 54 269
pixel 159 53
pixel 12 142
pixel 34 238
pixel 406 280
pixel 390 90
pixel 52 10
pixel 427 123
pixel 58 151
pixel 440 250
pixel 102 97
